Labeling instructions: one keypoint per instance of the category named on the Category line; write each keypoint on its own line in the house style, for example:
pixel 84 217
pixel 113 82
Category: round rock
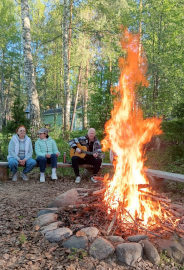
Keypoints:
pixel 137 238
pixel 91 232
pixel 58 235
pixel 45 219
pixel 150 252
pixel 101 248
pixel 80 242
pixel 129 253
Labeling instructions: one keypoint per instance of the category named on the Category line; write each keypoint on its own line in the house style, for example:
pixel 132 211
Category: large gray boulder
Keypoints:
pixel 78 242
pixel 58 235
pixel 101 248
pixel 45 219
pixel 50 227
pixel 90 232
pixel 174 249
pixel 129 253
pixel 150 252
pixel 70 197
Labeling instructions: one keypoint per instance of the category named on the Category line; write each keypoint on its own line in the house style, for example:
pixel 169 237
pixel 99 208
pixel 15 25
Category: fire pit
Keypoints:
pixel 117 217
pixel 77 220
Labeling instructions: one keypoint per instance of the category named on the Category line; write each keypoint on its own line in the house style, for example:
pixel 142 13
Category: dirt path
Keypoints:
pixel 23 248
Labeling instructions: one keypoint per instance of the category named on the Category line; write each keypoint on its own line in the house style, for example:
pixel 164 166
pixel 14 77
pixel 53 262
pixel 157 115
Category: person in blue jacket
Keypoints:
pixel 46 152
pixel 20 152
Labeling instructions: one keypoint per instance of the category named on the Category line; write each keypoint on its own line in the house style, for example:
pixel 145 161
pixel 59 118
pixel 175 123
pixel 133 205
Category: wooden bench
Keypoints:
pixel 150 173
pixel 4 168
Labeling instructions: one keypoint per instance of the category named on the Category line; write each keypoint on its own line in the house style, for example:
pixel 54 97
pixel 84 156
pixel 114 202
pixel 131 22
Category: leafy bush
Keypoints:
pixel 173 130
pixel 18 117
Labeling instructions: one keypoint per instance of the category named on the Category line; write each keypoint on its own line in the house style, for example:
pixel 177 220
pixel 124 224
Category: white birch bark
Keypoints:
pixel 76 99
pixel 2 91
pixel 85 101
pixel 67 96
pixel 29 72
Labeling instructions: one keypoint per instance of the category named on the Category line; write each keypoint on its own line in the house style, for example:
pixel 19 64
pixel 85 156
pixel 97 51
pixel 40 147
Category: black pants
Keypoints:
pixel 96 162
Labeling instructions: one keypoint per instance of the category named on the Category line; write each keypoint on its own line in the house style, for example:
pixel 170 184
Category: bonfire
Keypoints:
pixel 128 194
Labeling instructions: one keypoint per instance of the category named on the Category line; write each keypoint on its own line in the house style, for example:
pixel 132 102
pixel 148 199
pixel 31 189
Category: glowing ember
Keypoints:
pixel 126 133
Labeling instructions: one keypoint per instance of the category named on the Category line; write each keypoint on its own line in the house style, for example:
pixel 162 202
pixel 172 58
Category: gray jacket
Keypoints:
pixel 13 147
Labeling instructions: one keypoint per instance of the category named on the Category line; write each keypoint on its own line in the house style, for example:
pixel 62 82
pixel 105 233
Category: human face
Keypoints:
pixel 91 134
pixel 21 132
pixel 42 136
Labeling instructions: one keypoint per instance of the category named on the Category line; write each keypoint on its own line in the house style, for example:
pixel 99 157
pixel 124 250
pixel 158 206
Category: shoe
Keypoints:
pixel 14 177
pixel 24 177
pixel 93 180
pixel 54 176
pixel 42 178
pixel 78 179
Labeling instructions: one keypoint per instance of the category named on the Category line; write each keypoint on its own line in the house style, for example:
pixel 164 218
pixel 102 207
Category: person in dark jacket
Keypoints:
pixel 93 155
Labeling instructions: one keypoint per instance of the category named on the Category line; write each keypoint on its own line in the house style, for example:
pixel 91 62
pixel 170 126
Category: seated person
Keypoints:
pixel 46 152
pixel 20 152
pixel 93 156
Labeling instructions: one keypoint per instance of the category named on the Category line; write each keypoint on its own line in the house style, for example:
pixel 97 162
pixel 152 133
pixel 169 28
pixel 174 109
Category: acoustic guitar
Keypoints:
pixel 83 153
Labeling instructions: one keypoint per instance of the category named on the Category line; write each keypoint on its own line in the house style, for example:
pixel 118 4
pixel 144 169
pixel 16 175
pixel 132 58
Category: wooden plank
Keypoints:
pixel 3 164
pixel 166 175
pixel 155 173
pixel 66 165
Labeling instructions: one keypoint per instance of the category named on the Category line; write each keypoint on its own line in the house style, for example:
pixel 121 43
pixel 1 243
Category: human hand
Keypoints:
pixel 22 162
pixel 78 150
pixel 47 155
pixel 57 154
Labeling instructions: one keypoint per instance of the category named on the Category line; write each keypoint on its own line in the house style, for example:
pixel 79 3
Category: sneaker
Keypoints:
pixel 78 179
pixel 54 176
pixel 24 177
pixel 93 180
pixel 42 178
pixel 14 177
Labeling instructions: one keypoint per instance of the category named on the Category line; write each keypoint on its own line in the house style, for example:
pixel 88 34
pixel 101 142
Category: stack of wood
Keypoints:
pixel 94 212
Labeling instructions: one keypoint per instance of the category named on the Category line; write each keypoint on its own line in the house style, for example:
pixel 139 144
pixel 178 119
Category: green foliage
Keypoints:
pixel 178 110
pixel 170 156
pixel 77 253
pixel 22 238
pixel 4 140
pixel 173 130
pixel 18 116
pixel 166 260
pixel 101 99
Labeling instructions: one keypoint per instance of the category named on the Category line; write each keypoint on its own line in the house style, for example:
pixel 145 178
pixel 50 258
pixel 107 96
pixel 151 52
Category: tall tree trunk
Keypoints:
pixel 136 101
pixel 7 103
pixel 76 98
pixel 140 29
pixel 85 100
pixel 67 101
pixel 2 92
pixel 156 76
pixel 30 80
pixel 70 35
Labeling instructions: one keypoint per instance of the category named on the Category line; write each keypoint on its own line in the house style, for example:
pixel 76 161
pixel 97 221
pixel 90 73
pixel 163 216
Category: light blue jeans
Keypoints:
pixel 13 165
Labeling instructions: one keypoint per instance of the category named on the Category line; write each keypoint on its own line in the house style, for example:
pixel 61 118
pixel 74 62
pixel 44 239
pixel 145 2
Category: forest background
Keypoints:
pixel 64 54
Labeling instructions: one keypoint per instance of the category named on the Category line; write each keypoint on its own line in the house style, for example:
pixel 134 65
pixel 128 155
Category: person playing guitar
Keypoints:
pixel 86 150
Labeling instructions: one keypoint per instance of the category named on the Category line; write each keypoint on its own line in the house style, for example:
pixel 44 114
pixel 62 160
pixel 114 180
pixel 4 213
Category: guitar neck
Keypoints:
pixel 87 152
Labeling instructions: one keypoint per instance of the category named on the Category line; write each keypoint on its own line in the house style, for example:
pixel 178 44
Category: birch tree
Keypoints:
pixel 29 72
pixel 67 96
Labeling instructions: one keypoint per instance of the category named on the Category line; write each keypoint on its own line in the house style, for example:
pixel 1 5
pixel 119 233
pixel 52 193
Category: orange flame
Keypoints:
pixel 126 133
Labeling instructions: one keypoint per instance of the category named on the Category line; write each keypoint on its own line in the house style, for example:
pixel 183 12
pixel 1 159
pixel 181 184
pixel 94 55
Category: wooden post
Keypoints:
pixel 3 173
